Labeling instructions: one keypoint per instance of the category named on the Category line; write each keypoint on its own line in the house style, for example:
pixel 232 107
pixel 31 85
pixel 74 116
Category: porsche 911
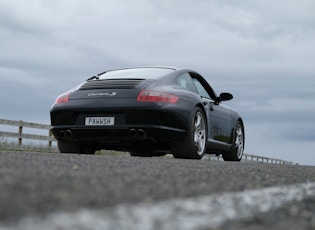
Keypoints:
pixel 148 111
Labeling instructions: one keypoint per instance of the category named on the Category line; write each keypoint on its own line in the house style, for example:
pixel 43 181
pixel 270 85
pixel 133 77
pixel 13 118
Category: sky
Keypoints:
pixel 261 51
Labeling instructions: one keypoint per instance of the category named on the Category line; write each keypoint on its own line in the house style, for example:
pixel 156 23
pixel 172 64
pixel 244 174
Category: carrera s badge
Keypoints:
pixel 102 94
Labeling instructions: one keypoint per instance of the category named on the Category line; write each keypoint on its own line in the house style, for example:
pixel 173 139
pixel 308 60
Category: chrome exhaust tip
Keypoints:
pixel 62 134
pixel 142 134
pixel 133 133
pixel 68 133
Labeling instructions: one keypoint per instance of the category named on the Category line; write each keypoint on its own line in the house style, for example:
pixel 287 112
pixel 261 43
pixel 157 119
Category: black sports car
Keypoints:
pixel 148 111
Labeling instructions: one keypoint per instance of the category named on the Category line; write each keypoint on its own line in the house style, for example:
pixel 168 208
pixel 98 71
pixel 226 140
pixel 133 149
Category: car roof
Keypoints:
pixel 158 67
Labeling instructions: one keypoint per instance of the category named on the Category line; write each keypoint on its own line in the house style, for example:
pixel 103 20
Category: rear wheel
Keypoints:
pixel 146 154
pixel 74 147
pixel 87 150
pixel 237 149
pixel 68 147
pixel 194 144
pixel 139 154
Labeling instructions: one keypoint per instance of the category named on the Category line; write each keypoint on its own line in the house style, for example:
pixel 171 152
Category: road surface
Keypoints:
pixel 70 191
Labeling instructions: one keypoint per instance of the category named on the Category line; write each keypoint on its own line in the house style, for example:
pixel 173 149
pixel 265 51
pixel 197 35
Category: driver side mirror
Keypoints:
pixel 225 97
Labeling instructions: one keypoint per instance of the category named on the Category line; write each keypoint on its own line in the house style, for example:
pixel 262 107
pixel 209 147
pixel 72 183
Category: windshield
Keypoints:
pixel 137 73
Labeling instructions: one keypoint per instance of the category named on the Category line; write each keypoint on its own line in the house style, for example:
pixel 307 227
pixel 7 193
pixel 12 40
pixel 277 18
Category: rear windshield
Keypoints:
pixel 137 73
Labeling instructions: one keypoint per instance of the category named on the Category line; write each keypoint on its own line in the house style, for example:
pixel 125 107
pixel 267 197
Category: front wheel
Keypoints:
pixel 194 144
pixel 237 148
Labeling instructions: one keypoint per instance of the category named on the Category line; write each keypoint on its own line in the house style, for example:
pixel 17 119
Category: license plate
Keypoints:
pixel 99 121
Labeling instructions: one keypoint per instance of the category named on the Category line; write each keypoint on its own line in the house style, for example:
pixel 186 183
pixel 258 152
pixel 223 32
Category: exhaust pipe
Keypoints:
pixel 133 133
pixel 142 134
pixel 62 134
pixel 68 133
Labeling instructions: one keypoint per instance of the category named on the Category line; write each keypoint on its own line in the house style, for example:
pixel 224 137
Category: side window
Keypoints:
pixel 186 82
pixel 201 90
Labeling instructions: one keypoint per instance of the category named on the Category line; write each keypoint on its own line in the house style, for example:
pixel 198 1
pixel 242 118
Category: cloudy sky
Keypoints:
pixel 262 51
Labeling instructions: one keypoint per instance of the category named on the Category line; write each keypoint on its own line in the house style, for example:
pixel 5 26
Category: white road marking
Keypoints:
pixel 184 214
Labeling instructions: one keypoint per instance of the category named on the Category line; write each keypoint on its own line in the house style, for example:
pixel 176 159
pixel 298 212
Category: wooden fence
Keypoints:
pixel 49 139
pixel 20 134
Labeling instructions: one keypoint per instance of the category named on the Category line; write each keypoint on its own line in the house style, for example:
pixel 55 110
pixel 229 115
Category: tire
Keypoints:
pixel 146 154
pixel 89 150
pixel 68 147
pixel 194 144
pixel 74 147
pixel 139 154
pixel 237 148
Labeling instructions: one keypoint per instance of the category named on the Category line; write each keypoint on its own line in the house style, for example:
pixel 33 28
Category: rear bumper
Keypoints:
pixel 161 123
pixel 122 133
pixel 126 113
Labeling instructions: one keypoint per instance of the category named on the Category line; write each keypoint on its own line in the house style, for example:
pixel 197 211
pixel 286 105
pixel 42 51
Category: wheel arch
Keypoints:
pixel 202 108
pixel 204 112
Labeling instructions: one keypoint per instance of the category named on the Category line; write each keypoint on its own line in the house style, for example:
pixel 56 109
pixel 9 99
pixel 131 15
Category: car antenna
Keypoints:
pixel 96 77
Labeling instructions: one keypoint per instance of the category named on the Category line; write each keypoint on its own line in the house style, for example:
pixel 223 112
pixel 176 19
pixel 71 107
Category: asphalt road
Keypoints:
pixel 40 189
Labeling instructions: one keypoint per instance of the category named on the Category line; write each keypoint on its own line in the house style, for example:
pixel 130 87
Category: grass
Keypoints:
pixel 111 153
pixel 7 144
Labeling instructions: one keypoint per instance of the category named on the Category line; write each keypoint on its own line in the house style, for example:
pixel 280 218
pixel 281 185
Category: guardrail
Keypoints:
pixel 254 158
pixel 20 135
pixel 248 157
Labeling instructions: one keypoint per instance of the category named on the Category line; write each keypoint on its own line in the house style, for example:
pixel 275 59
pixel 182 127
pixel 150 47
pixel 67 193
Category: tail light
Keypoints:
pixel 155 96
pixel 63 98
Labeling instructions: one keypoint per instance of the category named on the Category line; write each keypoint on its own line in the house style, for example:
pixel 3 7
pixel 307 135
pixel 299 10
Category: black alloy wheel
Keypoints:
pixel 237 149
pixel 194 144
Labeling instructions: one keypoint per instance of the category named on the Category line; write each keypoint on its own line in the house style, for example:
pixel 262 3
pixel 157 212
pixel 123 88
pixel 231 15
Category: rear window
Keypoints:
pixel 137 73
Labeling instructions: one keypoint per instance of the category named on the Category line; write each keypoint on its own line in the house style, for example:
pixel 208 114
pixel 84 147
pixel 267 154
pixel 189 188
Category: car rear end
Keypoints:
pixel 119 113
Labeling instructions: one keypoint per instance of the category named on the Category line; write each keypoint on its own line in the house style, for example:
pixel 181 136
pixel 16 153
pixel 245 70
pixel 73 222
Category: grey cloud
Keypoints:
pixel 262 51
